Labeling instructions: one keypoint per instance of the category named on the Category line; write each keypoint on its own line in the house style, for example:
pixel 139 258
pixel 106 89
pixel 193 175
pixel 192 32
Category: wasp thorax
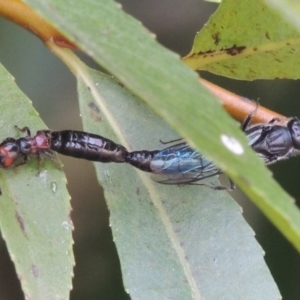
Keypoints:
pixel 25 146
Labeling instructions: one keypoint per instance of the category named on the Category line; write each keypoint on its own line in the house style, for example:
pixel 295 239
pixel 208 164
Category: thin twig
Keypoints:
pixel 21 14
pixel 240 107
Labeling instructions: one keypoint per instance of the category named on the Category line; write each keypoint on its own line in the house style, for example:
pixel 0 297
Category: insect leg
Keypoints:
pixel 247 121
pixel 24 129
pixel 172 141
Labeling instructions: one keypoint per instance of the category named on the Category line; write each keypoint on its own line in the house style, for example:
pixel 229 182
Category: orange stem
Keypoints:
pixel 21 14
pixel 240 107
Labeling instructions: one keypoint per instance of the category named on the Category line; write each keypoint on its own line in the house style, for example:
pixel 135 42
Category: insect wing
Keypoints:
pixel 254 133
pixel 179 164
pixel 271 142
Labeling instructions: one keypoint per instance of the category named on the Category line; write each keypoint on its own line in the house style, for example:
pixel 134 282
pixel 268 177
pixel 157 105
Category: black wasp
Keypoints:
pixel 77 144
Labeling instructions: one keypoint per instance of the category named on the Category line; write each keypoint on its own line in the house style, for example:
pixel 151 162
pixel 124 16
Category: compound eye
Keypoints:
pixel 295 132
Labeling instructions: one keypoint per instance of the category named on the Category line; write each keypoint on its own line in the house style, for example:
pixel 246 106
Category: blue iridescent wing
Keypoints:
pixel 180 164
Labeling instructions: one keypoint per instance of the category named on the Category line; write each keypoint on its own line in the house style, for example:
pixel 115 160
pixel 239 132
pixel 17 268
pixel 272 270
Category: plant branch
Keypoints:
pixel 240 107
pixel 21 14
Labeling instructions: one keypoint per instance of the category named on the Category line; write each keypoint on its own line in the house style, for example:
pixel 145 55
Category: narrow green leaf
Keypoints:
pixel 34 208
pixel 247 40
pixel 121 45
pixel 187 242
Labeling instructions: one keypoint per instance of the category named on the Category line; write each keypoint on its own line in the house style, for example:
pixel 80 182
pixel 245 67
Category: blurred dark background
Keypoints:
pixel 51 87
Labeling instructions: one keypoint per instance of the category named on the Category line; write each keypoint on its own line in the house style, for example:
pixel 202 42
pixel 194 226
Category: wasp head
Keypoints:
pixel 9 153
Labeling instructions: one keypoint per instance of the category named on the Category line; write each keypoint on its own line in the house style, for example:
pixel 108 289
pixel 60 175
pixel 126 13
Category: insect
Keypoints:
pixel 14 152
pixel 180 164
pixel 276 140
pixel 85 145
pixel 177 164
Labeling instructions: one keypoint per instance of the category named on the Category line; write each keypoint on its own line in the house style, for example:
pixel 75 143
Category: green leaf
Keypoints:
pixel 186 242
pixel 247 40
pixel 121 45
pixel 288 9
pixel 34 208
